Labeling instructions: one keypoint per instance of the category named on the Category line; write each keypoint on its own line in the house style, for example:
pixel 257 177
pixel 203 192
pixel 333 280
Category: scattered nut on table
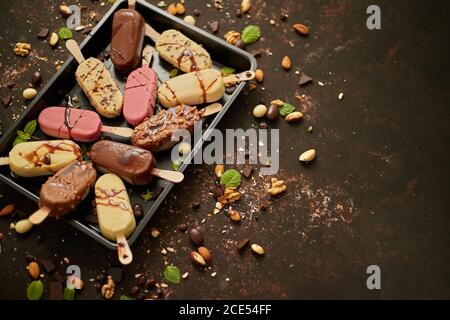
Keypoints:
pixel 108 288
pixel 22 49
pixel 53 39
pixel 277 187
pixel 294 116
pixel 246 5
pixel 34 270
pixel 230 196
pixel 29 93
pixel 308 156
pixel 7 210
pixel 218 170
pixel 190 19
pixel 286 63
pixel 205 253
pixel 197 258
pixel 259 111
pixel 259 75
pixel 232 37
pixel 277 102
pixel 301 29
pixel 256 248
pixel 234 215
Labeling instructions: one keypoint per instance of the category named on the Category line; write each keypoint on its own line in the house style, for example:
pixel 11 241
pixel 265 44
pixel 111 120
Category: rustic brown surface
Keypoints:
pixel 375 194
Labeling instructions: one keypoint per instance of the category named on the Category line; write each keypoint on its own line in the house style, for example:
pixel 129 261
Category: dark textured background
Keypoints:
pixel 375 195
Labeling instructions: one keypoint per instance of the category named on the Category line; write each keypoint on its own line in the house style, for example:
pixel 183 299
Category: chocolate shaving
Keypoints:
pixel 304 79
pixel 43 33
pixel 6 100
pixel 213 26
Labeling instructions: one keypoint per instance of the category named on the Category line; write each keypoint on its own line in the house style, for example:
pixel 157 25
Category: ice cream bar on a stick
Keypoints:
pixel 64 191
pixel 115 215
pixel 198 87
pixel 127 38
pixel 76 124
pixel 97 83
pixel 140 91
pixel 134 165
pixel 41 158
pixel 155 133
pixel 179 50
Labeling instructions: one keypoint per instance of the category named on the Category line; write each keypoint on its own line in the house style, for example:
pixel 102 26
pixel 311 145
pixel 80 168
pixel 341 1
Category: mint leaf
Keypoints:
pixel 173 73
pixel 177 164
pixel 227 70
pixel 124 297
pixel 69 293
pixel 251 34
pixel 34 290
pixel 286 109
pixel 146 196
pixel 65 33
pixel 172 274
pixel 18 140
pixel 230 178
pixel 23 135
pixel 30 127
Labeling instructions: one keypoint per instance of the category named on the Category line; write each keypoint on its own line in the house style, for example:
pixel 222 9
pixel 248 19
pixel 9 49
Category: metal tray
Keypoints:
pixel 63 83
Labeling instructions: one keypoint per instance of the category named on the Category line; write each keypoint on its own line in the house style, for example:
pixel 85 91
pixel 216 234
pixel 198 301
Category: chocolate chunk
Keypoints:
pixel 247 172
pixel 304 79
pixel 43 33
pixel 117 274
pixel 48 265
pixel 242 244
pixel 56 291
pixel 213 26
pixel 6 100
pixel 196 236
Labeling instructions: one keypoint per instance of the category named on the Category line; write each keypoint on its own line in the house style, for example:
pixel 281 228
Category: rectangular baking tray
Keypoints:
pixel 63 83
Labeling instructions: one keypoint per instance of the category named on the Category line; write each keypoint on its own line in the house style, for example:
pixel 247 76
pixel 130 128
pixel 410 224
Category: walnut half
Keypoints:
pixel 22 49
pixel 278 187
pixel 230 195
pixel 108 288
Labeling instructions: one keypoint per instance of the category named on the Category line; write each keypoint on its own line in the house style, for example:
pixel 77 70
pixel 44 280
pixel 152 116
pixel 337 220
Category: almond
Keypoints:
pixel 294 116
pixel 259 75
pixel 33 270
pixel 205 253
pixel 234 215
pixel 7 210
pixel 245 5
pixel 286 63
pixel 197 259
pixel 301 29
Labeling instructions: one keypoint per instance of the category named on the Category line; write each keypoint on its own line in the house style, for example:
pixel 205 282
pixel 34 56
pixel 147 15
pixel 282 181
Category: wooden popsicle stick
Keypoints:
pixel 243 76
pixel 151 33
pixel 211 109
pixel 74 50
pixel 4 161
pixel 147 55
pixel 118 131
pixel 131 4
pixel 123 250
pixel 172 176
pixel 39 216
